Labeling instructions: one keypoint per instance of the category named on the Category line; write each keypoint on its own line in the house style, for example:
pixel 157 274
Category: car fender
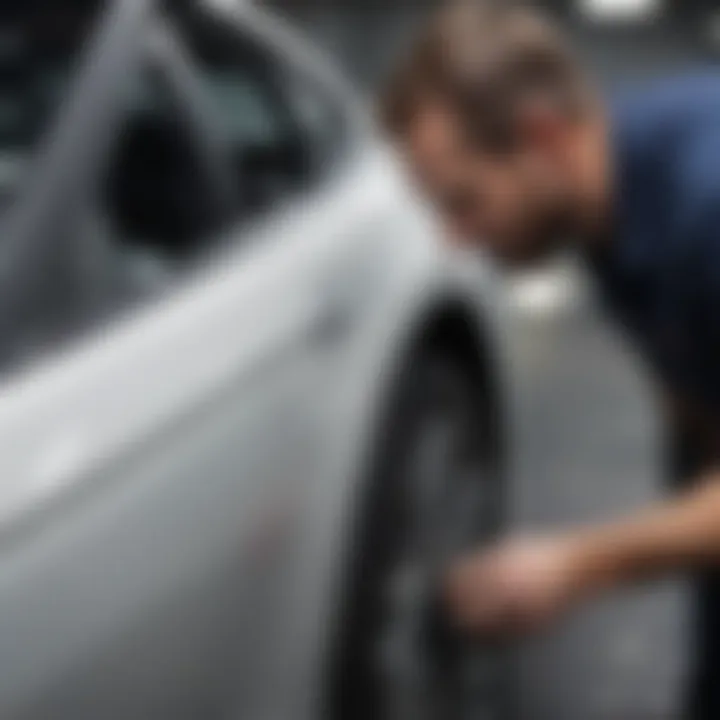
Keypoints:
pixel 441 278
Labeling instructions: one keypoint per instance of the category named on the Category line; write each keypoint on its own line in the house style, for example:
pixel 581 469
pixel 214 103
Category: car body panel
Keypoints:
pixel 178 487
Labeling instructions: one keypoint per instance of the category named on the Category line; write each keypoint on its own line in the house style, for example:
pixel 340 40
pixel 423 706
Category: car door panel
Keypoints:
pixel 152 485
pixel 140 593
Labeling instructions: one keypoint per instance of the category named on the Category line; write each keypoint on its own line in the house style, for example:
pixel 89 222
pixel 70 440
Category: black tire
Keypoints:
pixel 435 388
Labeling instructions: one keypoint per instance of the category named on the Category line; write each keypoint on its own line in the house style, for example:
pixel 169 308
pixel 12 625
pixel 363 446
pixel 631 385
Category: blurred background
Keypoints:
pixel 623 38
pixel 588 435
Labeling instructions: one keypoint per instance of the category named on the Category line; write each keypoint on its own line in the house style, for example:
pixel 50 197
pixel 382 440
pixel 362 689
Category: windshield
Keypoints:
pixel 40 42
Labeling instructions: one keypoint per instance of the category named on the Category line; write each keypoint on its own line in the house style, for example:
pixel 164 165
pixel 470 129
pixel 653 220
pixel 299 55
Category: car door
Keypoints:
pixel 154 466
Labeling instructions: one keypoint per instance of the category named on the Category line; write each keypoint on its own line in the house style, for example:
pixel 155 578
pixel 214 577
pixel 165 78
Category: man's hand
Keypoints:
pixel 523 586
pixel 515 588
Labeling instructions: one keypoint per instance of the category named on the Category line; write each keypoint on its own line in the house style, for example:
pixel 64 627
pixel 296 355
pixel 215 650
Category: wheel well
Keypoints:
pixel 454 329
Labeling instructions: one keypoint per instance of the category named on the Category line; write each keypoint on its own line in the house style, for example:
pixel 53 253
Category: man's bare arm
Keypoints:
pixel 682 534
pixel 523 585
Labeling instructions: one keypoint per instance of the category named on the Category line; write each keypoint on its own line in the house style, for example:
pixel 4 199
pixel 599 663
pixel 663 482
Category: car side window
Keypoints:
pixel 157 193
pixel 322 120
pixel 152 206
pixel 157 208
pixel 273 141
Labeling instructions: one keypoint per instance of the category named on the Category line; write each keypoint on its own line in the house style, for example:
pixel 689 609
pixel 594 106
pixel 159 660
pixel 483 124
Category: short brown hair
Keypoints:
pixel 484 58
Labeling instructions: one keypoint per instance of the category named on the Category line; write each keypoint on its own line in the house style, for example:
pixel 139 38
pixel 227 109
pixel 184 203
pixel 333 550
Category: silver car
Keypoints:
pixel 251 404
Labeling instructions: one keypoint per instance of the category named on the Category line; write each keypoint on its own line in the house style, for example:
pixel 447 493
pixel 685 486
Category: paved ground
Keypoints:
pixel 588 448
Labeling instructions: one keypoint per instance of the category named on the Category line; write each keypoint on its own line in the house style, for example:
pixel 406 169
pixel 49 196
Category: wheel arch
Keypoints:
pixel 458 326
pixel 451 323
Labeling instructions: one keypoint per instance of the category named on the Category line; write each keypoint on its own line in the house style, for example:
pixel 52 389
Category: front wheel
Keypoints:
pixel 437 491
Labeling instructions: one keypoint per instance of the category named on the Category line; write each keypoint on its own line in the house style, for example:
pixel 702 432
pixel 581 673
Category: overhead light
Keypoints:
pixel 619 10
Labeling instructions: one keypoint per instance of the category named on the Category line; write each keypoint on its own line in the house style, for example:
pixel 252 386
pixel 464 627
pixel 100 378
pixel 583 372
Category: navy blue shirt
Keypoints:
pixel 660 274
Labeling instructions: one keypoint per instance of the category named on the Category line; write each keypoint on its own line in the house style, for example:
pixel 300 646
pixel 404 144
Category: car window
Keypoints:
pixel 150 208
pixel 244 108
pixel 153 203
pixel 273 140
pixel 323 121
pixel 40 44
pixel 158 204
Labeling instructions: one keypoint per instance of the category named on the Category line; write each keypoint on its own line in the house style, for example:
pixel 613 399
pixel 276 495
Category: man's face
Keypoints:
pixel 516 205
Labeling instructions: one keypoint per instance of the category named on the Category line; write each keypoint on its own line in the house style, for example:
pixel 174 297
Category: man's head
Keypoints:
pixel 499 125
